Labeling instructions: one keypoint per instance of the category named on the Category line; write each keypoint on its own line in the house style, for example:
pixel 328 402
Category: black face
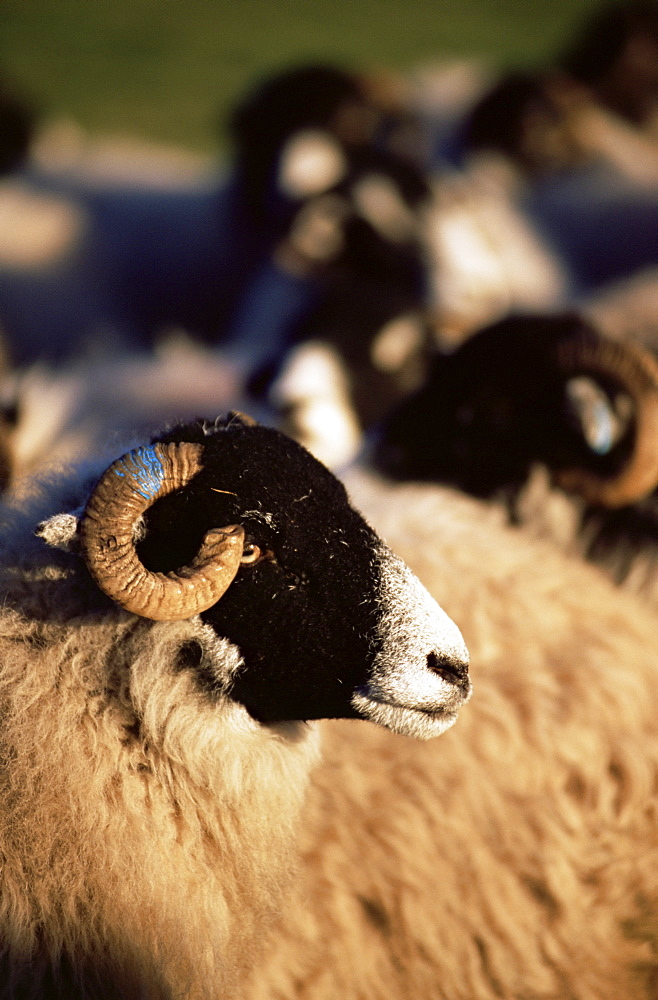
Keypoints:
pixel 467 426
pixel 8 419
pixel 303 611
pixel 490 410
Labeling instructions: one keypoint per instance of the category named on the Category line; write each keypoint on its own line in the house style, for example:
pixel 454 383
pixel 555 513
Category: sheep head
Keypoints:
pixel 328 623
pixel 532 389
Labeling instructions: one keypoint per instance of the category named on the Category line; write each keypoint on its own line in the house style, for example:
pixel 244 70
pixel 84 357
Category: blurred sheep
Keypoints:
pixel 614 55
pixel 134 259
pixel 552 423
pixel 539 216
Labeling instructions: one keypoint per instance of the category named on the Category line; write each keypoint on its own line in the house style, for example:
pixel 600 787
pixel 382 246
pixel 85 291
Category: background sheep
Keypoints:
pixel 551 192
pixel 155 757
pixel 92 407
pixel 332 173
pixel 515 857
pixel 316 214
pixel 614 55
pixel 555 425
pixel 207 252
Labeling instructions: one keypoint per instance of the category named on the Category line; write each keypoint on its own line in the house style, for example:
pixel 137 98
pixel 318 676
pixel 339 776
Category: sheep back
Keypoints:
pixel 515 857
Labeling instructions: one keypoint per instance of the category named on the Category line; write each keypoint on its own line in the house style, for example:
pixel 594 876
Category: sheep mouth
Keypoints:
pixel 421 722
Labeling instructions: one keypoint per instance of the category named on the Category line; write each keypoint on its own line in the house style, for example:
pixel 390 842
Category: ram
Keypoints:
pixel 166 636
pixel 515 858
pixel 552 423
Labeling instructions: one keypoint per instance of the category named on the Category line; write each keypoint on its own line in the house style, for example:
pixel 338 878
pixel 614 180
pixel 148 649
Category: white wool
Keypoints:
pixel 311 162
pixel 37 229
pixel 515 856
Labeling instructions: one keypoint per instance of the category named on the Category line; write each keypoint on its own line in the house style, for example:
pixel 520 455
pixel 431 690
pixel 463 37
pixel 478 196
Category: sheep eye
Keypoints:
pixel 250 554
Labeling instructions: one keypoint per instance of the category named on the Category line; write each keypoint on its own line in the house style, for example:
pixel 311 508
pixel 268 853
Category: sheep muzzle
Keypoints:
pixel 419 679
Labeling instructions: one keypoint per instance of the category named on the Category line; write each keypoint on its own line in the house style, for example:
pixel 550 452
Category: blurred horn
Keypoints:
pixel 237 417
pixel 635 372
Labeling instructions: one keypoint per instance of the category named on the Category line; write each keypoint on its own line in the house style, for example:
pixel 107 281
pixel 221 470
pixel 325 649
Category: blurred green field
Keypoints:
pixel 169 70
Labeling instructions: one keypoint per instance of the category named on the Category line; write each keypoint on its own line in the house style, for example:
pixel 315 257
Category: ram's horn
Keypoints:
pixel 238 417
pixel 634 372
pixel 124 492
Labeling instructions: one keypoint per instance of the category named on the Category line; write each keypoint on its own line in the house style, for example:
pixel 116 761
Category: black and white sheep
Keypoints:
pixel 95 260
pixel 154 734
pixel 555 424
pixel 515 858
pixel 553 198
pixel 356 237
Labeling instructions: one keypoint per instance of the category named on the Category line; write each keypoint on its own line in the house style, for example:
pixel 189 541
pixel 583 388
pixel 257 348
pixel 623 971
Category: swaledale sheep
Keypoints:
pixel 165 636
pixel 555 425
pixel 515 858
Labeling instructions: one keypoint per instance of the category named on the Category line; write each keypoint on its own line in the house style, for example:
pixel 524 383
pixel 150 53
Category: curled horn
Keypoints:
pixel 636 373
pixel 237 417
pixel 123 493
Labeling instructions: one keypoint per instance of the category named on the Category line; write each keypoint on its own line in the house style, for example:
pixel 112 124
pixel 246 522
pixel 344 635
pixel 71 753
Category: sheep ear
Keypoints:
pixel 60 532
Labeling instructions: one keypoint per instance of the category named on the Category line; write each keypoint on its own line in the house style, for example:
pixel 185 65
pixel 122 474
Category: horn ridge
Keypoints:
pixel 122 495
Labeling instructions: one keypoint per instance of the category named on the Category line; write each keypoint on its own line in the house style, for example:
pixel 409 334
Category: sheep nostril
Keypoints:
pixel 453 670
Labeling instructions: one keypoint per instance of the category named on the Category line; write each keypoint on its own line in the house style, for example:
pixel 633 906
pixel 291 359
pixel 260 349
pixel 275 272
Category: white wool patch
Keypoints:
pixel 380 203
pixel 485 259
pixel 397 341
pixel 313 390
pixel 328 429
pixel 312 369
pixel 37 229
pixel 222 655
pixel 311 162
pixel 404 693
pixel 59 531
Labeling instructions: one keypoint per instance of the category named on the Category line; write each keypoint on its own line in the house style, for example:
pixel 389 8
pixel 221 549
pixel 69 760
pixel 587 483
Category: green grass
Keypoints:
pixel 170 69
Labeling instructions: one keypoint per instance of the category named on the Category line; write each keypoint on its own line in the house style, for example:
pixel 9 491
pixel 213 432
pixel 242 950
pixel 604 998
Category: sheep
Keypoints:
pixel 356 234
pixel 597 220
pixel 93 406
pixel 360 239
pixel 515 858
pixel 554 424
pixel 125 258
pixel 613 56
pixel 157 723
